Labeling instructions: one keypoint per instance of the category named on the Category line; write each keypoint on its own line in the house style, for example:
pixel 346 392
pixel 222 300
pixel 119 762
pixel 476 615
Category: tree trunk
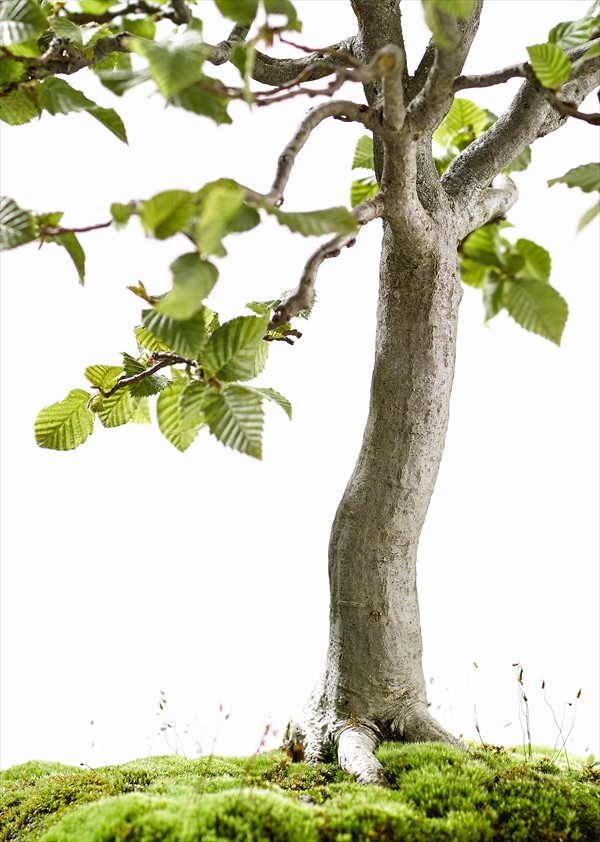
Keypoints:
pixel 373 687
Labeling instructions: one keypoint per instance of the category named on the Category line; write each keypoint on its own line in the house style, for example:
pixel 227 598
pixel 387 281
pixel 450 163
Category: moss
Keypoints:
pixel 435 793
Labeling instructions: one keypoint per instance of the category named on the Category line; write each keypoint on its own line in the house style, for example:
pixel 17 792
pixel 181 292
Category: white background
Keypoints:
pixel 130 569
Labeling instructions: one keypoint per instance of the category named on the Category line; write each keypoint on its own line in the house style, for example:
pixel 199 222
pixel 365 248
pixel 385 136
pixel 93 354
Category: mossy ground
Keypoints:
pixel 435 793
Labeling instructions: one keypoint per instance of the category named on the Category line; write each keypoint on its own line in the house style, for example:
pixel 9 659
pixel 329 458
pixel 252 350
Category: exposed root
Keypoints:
pixel 356 754
pixel 416 725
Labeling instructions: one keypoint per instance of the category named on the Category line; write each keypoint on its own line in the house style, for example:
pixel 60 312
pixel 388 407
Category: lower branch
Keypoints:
pixel 492 203
pixel 302 297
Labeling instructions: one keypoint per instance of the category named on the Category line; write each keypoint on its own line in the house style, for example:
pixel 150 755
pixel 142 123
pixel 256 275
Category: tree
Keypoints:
pixel 373 686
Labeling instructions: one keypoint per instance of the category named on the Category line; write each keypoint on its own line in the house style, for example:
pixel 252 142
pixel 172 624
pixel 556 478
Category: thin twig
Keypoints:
pixel 163 359
pixel 56 232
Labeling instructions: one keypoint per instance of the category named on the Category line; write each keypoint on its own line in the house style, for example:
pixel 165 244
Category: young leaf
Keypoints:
pixel 275 397
pixel 103 376
pixel 473 272
pixel 235 416
pixel 586 177
pixel 537 307
pixel 193 279
pixel 483 245
pixel 550 64
pixel 520 163
pixel 588 216
pixel 17 226
pixel 456 8
pixel 286 8
pixel 333 220
pixel 121 214
pixel 20 20
pixel 150 385
pixel 148 341
pixel 231 352
pixel 219 202
pixel 66 424
pixel 171 421
pixel 183 337
pixel 363 154
pixel 167 213
pixel 571 33
pixel 117 410
pixel 20 106
pixel 201 101
pixel 362 189
pixel 465 118
pixel 242 12
pixel 174 64
pixel 493 293
pixel 109 118
pixel 191 403
pixel 72 246
pixel 58 97
pixel 142 412
pixel 537 261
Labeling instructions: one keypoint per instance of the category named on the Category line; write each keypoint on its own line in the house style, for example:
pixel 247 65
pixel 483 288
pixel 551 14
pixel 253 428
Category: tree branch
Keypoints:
pixel 302 297
pixel 163 360
pixel 432 103
pixel 492 203
pixel 486 80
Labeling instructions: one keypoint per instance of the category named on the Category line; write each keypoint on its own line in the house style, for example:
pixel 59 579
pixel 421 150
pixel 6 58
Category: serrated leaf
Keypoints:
pixel 142 412
pixel 174 64
pixel 537 260
pixel 362 189
pixel 109 118
pixel 117 410
pixel 537 307
pixel 170 418
pixel 198 100
pixel 274 397
pixel 20 20
pixel 191 403
pixel 493 296
pixel 336 220
pixel 473 273
pixel 586 177
pixel 58 97
pixel 235 417
pixel 66 29
pixel 231 352
pixel 550 65
pixel 219 202
pixel 121 214
pixel 483 245
pixel 571 33
pixel 72 246
pixel 465 118
pixel 66 424
pixel 148 341
pixel 242 12
pixel 19 107
pixel 588 216
pixel 17 225
pixel 149 385
pixel 103 376
pixel 167 213
pixel 193 279
pixel 183 337
pixel 10 71
pixel 363 154
pixel 593 51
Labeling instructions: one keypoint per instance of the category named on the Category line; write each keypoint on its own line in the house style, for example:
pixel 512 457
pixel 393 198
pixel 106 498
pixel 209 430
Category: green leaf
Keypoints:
pixel 285 8
pixel 571 33
pixel 537 307
pixel 167 213
pixel 171 421
pixel 58 97
pixel 363 154
pixel 362 189
pixel 243 220
pixel 193 279
pixel 483 245
pixel 493 296
pixel 537 261
pixel 432 10
pixel 10 71
pixel 231 352
pixel 17 226
pixel 588 216
pixel 586 177
pixel 67 30
pixel 183 337
pixel 109 118
pixel 550 64
pixel 149 385
pixel 142 27
pixel 20 20
pixel 520 163
pixel 103 376
pixel 314 223
pixel 149 341
pixel 121 214
pixel 204 102
pixel 242 12
pixel 464 118
pixel 72 246
pixel 142 412
pixel 191 403
pixel 220 201
pixel 593 51
pixel 235 417
pixel 18 107
pixel 274 397
pixel 473 273
pixel 117 410
pixel 174 64
pixel 457 8
pixel 66 424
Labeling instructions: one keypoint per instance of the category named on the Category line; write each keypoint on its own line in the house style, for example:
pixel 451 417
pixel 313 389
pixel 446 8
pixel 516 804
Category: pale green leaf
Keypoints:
pixel 193 279
pixel 274 397
pixel 19 107
pixel 537 307
pixel 571 33
pixel 148 385
pixel 117 410
pixel 199 100
pixel 285 8
pixel 362 189
pixel 17 226
pixel 149 341
pixel 588 216
pixel 537 260
pixel 67 30
pixel 235 417
pixel 174 64
pixel 550 64
pixel 457 8
pixel 167 213
pixel 586 177
pixel 219 202
pixel 183 337
pixel 363 154
pixel 142 412
pixel 231 352
pixel 170 418
pixel 336 220
pixel 242 12
pixel 520 163
pixel 473 273
pixel 142 27
pixel 20 20
pixel 593 51
pixel 121 214
pixel 483 245
pixel 103 376
pixel 465 118
pixel 66 424
pixel 191 403
pixel 493 296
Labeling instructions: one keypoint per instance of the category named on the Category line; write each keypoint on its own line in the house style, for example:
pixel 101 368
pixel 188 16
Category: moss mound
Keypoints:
pixel 435 793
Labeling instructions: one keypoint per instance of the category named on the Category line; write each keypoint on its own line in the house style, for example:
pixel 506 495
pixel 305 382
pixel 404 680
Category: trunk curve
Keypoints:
pixel 373 687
